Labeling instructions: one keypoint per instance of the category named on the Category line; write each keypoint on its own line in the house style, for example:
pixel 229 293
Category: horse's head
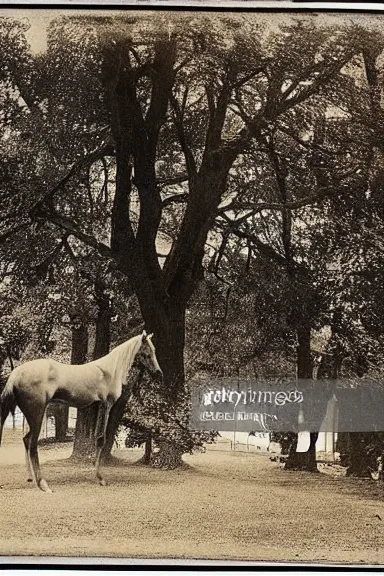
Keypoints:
pixel 146 356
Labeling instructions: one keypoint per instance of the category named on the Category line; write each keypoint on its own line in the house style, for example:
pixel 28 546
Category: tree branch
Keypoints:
pixel 4 237
pixel 308 145
pixel 265 249
pixel 176 199
pixel 89 158
pixel 43 265
pixel 186 148
pixel 182 64
pixel 220 252
pixel 162 75
pixel 275 106
pixel 210 100
pixel 172 180
pixel 310 90
pixel 280 171
pixel 66 224
pixel 324 192
pixel 370 57
pixel 217 116
pixel 248 77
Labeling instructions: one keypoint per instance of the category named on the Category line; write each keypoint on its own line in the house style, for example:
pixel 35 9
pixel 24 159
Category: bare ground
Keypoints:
pixel 223 505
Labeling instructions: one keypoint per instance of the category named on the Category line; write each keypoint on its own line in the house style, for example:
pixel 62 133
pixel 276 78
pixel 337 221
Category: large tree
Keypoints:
pixel 191 73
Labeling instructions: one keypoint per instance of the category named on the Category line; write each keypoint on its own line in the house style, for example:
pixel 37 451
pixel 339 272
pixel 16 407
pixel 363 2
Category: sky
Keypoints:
pixel 39 19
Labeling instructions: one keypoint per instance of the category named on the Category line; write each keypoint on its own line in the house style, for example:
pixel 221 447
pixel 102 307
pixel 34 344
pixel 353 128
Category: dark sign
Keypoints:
pixel 288 405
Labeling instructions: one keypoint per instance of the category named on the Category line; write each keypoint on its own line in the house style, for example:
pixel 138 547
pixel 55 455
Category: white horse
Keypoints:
pixel 34 384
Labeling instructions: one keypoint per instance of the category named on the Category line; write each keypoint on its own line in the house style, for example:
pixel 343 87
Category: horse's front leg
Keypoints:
pixel 26 441
pixel 100 442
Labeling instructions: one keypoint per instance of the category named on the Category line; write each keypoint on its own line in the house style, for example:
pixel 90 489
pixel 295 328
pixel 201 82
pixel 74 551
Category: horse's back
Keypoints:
pixel 47 379
pixel 31 379
pixel 33 370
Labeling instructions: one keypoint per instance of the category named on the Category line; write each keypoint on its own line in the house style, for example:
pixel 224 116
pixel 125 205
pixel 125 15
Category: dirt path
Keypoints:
pixel 227 505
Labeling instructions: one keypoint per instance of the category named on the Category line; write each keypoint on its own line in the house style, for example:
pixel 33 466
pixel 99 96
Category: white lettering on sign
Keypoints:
pixel 259 417
pixel 247 397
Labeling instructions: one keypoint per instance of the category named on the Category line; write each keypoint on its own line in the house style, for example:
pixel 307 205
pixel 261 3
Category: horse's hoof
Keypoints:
pixel 103 482
pixel 44 487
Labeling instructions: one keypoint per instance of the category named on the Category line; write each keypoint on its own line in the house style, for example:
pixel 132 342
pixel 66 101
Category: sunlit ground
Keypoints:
pixel 223 505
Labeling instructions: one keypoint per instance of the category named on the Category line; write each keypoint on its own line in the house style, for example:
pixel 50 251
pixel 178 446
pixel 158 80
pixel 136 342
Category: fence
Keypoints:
pixel 18 422
pixel 242 442
pixel 258 442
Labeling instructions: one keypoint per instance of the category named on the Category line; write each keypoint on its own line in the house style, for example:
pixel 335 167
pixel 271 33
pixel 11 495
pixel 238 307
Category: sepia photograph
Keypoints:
pixel 192 284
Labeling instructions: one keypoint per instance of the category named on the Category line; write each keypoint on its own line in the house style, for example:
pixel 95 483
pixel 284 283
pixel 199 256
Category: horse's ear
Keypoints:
pixel 150 336
pixel 144 336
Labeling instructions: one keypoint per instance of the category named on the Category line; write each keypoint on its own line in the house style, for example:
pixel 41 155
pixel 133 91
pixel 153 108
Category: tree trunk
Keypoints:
pixel 303 460
pixel 170 353
pixel 167 322
pixel 89 419
pixel 168 456
pixel 148 451
pixel 304 358
pixel 85 432
pixel 352 445
pixel 78 356
pixel 359 456
pixel 115 417
pixel 162 293
pixel 359 461
pixel 61 413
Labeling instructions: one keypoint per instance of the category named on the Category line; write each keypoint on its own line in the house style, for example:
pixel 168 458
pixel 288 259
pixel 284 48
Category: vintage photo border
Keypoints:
pixel 85 564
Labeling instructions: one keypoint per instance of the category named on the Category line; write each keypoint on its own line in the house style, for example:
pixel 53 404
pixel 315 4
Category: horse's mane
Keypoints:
pixel 119 361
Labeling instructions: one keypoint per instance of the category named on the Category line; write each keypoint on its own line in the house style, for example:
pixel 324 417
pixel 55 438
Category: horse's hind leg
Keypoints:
pixel 30 441
pixel 40 481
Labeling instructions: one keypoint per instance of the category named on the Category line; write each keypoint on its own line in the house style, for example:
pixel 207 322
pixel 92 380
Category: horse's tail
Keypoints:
pixel 7 402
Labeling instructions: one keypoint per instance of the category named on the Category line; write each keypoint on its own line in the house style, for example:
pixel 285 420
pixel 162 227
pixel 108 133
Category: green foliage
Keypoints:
pixel 14 336
pixel 240 326
pixel 150 414
pixel 361 458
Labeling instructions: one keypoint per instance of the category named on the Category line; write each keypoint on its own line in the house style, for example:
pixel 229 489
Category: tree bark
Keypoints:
pixel 89 419
pixel 78 356
pixel 115 417
pixel 358 460
pixel 61 414
pixel 148 451
pixel 303 460
pixel 170 352
pixel 168 456
pixel 304 357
